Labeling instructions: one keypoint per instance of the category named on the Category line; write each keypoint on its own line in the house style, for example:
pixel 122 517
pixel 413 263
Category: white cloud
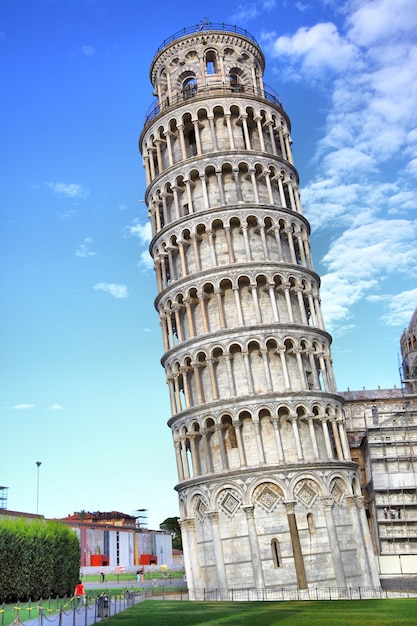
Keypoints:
pixel 84 249
pixel 364 190
pixel 142 232
pixel 382 21
pixel 360 260
pixel 251 10
pixel 117 291
pixel 145 260
pixel 88 51
pixel 398 307
pixel 315 50
pixel 21 407
pixel 56 407
pixel 69 190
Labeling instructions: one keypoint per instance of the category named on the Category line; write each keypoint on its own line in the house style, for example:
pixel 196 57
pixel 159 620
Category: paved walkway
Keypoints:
pixel 87 615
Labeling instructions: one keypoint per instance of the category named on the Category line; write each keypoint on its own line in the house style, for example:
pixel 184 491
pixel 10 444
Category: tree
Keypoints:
pixel 171 525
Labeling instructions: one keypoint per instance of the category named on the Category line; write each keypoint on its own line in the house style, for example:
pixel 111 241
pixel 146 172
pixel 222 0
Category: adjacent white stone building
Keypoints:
pixel 269 495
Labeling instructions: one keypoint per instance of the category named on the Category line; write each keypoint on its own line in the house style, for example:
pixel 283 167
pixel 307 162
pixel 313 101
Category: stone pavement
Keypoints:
pixel 87 615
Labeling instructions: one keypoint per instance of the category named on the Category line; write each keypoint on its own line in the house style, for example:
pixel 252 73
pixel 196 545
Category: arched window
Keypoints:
pixel 211 62
pixel 189 87
pixel 276 553
pixel 234 83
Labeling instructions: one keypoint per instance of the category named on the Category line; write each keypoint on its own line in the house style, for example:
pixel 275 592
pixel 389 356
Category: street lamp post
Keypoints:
pixel 38 463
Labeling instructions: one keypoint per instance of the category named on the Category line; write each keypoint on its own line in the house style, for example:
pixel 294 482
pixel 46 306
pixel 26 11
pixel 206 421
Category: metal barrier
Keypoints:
pixel 93 611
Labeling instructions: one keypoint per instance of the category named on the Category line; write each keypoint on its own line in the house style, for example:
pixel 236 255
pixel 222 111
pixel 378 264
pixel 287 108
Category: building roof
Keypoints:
pixel 370 395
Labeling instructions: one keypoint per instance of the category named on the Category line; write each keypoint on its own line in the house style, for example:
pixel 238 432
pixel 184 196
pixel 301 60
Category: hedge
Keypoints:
pixel 38 559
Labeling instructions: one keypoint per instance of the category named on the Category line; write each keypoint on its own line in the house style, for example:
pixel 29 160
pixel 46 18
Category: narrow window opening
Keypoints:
pixel 310 523
pixel 276 557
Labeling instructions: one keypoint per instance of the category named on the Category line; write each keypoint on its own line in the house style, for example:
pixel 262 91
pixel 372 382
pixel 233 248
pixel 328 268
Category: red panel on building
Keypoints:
pixel 148 559
pixel 99 560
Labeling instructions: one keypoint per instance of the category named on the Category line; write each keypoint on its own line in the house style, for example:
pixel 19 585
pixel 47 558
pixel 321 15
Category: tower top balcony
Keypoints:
pixel 205 25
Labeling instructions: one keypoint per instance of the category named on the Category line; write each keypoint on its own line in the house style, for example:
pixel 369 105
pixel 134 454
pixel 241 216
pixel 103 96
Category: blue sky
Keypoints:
pixel 82 387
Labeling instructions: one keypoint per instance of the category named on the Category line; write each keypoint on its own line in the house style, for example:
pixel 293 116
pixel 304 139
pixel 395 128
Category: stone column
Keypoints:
pixel 272 137
pixel 213 132
pixel 230 131
pixel 194 455
pixel 254 292
pixel 204 188
pixel 230 376
pixel 258 121
pixel 296 546
pixel 185 458
pixel 294 423
pixel 281 143
pixel 182 257
pixel 284 368
pixel 258 439
pixel 169 147
pixel 310 420
pixel 215 393
pixel 344 439
pixel 237 424
pixel 213 516
pixel 187 302
pixel 197 136
pixel 246 242
pixel 267 370
pixel 202 302
pixel 368 541
pixel 275 423
pixel 207 451
pixel 196 370
pixel 190 551
pixel 189 195
pixel 196 252
pixel 219 301
pixel 182 141
pixel 359 541
pixel 246 131
pixel 254 547
pixel 229 244
pixel 329 450
pixel 271 289
pixel 267 175
pixel 288 302
pixel 281 192
pixel 334 548
pixel 288 148
pixel 254 185
pixel 238 305
pixel 223 455
pixel 336 439
pixel 221 188
pixel 177 446
pixel 184 372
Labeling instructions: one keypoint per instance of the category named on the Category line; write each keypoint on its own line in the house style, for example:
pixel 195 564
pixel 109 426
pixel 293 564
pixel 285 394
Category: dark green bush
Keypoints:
pixel 38 559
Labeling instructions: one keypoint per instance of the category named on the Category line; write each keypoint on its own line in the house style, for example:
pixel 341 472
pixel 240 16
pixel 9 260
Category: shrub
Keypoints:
pixel 38 559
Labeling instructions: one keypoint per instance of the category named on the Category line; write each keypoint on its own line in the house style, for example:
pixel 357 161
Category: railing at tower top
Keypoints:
pixel 211 90
pixel 206 26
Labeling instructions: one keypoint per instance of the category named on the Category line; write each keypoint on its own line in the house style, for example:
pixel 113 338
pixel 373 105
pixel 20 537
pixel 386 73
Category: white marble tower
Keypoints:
pixel 267 490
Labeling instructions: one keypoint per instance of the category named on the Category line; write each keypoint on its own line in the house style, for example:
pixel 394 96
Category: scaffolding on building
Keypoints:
pixel 392 457
pixel 3 497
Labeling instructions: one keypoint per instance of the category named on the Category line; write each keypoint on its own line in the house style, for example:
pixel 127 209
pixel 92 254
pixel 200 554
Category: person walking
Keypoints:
pixel 79 594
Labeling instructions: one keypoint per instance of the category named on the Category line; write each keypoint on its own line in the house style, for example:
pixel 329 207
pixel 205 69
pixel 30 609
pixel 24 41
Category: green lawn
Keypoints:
pixel 397 612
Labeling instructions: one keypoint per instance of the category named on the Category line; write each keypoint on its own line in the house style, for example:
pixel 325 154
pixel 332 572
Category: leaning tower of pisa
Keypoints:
pixel 268 493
